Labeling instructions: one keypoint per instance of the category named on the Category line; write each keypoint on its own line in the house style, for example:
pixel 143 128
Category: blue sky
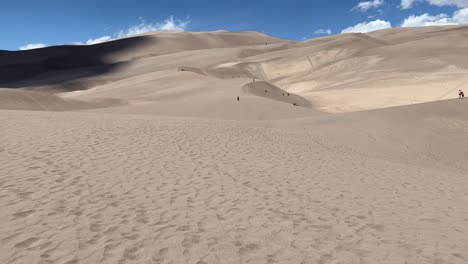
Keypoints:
pixel 56 22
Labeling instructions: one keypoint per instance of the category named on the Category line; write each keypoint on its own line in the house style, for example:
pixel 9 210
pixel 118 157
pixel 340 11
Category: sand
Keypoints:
pixel 140 158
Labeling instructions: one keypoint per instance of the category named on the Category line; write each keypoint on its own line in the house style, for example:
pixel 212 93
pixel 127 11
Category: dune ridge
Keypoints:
pixel 342 73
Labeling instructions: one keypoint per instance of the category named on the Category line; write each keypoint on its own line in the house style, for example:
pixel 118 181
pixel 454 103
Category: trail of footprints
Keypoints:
pixel 148 190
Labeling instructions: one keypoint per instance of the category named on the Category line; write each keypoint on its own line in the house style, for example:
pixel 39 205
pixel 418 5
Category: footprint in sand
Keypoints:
pixel 27 243
pixel 24 214
pixel 248 248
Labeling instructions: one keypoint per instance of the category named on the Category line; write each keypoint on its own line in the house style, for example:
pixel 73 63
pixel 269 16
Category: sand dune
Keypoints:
pixel 40 67
pixel 342 73
pixel 138 151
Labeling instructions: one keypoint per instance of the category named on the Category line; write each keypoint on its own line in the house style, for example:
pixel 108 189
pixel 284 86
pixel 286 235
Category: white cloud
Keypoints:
pixel 323 31
pixel 94 41
pixel 33 46
pixel 98 40
pixel 407 4
pixel 364 6
pixel 426 20
pixel 368 26
pixel 169 24
pixel 460 17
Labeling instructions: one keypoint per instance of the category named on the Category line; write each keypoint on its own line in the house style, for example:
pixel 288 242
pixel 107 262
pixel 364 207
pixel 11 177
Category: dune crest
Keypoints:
pixel 342 73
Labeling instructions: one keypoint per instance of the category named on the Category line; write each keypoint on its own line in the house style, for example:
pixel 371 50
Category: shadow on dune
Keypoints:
pixel 54 65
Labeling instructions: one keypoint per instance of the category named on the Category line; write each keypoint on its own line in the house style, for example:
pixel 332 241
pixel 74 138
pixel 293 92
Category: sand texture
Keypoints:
pixel 137 150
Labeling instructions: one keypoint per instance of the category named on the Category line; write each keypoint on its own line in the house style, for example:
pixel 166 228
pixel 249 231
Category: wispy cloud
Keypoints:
pixel 379 12
pixel 364 6
pixel 426 20
pixel 169 24
pixel 407 4
pixel 460 17
pixel 323 31
pixel 94 41
pixel 33 46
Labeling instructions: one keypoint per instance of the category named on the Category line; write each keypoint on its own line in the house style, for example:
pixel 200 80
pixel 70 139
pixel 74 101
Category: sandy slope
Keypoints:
pixel 374 187
pixel 32 100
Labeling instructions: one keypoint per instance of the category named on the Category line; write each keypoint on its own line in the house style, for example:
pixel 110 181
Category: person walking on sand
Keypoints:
pixel 237 98
pixel 461 95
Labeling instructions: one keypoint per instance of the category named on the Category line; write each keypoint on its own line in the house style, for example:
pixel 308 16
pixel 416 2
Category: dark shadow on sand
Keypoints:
pixel 61 63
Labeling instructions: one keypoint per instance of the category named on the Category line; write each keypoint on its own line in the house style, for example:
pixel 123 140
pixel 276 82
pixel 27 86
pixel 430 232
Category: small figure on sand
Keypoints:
pixel 461 95
pixel 237 98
